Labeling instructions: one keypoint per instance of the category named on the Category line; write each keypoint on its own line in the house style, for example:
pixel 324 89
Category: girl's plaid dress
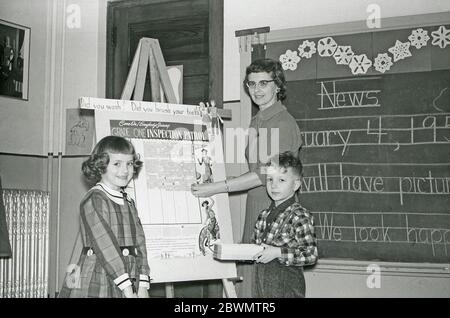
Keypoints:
pixel 113 254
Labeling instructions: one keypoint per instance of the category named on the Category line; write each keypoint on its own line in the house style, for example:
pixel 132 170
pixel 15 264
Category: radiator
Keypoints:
pixel 25 275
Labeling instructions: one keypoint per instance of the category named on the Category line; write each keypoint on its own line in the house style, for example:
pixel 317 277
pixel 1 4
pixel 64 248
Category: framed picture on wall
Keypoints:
pixel 14 60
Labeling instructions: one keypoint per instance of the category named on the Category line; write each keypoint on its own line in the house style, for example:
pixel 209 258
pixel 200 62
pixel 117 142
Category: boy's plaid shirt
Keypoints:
pixel 293 231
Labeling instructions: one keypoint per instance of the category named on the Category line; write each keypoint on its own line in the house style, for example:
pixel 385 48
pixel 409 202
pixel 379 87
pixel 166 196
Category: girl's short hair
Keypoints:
pixel 275 70
pixel 98 161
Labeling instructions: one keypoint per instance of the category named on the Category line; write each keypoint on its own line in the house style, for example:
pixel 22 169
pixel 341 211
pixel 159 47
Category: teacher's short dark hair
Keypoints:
pixel 272 67
pixel 98 161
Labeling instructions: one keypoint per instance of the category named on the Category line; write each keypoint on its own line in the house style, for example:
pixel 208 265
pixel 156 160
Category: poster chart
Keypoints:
pixel 178 148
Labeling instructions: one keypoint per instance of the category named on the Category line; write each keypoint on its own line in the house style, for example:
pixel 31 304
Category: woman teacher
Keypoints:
pixel 265 83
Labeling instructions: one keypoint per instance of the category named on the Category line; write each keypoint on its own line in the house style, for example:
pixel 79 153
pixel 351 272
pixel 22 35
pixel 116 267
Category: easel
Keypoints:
pixel 149 54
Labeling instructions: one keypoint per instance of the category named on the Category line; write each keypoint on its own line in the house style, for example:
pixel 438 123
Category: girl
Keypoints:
pixel 113 260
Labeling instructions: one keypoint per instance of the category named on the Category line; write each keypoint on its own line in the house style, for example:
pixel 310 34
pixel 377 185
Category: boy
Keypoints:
pixel 286 230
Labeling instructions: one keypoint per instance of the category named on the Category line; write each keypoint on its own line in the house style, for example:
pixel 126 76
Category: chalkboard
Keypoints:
pixel 376 148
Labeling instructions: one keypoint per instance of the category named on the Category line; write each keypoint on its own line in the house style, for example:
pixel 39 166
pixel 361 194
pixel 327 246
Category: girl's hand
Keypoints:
pixel 268 254
pixel 142 292
pixel 207 189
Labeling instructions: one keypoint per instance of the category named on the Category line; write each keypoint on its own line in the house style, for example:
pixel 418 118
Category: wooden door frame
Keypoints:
pixel 215 8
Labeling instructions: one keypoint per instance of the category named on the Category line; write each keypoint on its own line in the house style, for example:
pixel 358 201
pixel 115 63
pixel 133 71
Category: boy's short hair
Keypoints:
pixel 98 161
pixel 287 160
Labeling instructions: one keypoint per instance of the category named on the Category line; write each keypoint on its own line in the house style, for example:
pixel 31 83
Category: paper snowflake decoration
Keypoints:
pixel 307 49
pixel 327 46
pixel 441 37
pixel 383 62
pixel 289 60
pixel 360 64
pixel 400 50
pixel 419 38
pixel 343 55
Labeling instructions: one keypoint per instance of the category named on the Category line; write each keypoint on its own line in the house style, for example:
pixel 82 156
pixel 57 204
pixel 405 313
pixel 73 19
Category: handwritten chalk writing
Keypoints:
pixel 314 184
pixel 427 123
pixel 309 184
pixel 139 106
pixel 386 237
pixel 323 139
pixel 364 117
pixel 431 179
pixel 136 107
pixel 429 236
pixel 112 107
pixel 437 98
pixel 429 184
pixel 374 234
pixel 195 112
pixel 331 98
pixel 349 229
pixel 378 133
pixel 361 183
pixel 329 231
pixel 404 131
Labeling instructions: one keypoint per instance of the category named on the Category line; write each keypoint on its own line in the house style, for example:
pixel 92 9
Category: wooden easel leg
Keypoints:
pixel 228 289
pixel 170 291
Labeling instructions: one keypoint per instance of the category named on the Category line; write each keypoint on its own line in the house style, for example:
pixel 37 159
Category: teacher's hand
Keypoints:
pixel 207 189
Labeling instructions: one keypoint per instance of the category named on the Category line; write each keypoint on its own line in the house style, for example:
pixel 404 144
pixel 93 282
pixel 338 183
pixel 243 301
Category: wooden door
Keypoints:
pixel 190 33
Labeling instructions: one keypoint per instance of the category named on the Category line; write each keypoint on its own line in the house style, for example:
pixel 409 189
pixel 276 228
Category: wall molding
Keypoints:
pixel 352 27
pixel 387 268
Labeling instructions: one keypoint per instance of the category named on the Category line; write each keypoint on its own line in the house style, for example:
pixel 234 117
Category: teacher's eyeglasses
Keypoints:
pixel 261 84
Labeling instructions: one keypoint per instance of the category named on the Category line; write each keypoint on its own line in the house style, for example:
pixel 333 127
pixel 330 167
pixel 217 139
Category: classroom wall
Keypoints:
pixel 67 60
pixel 377 280
pixel 82 71
pixel 58 74
pixel 22 122
pixel 283 14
